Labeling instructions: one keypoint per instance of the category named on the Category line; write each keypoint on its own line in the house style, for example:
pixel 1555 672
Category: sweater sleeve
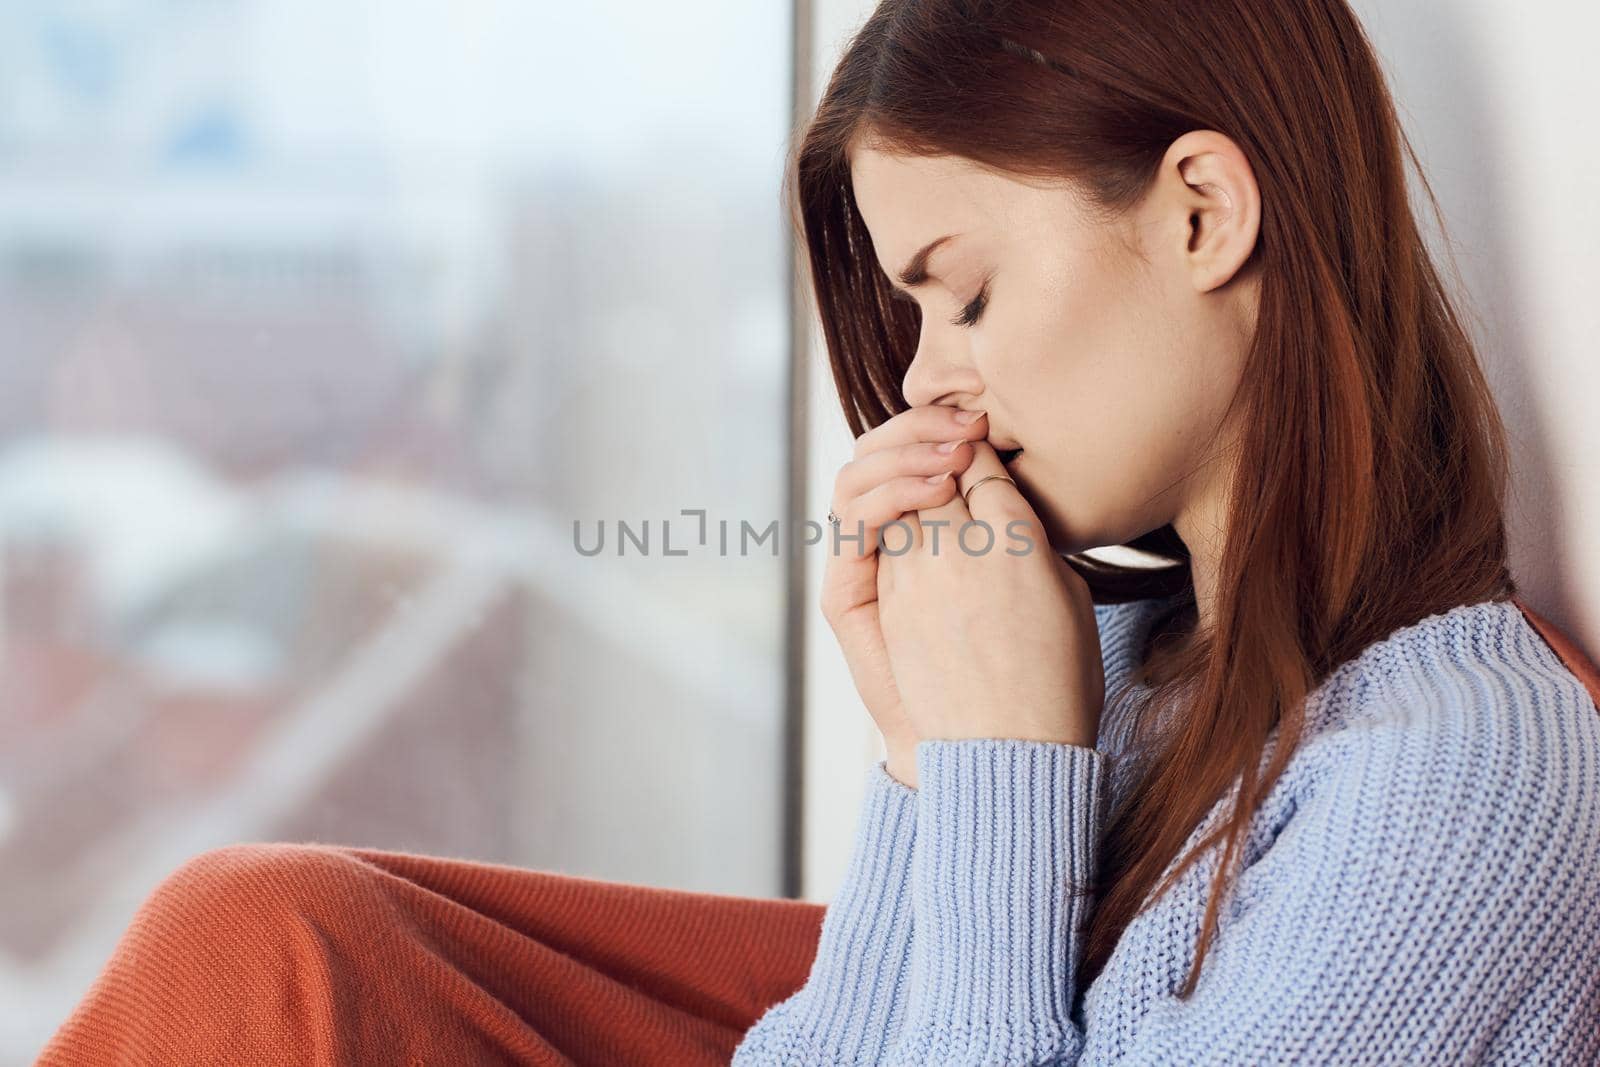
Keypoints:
pixel 850 1008
pixel 1430 883
pixel 1006 836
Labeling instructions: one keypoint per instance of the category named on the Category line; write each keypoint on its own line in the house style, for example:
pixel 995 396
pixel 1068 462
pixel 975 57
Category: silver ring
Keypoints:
pixel 833 520
pixel 967 496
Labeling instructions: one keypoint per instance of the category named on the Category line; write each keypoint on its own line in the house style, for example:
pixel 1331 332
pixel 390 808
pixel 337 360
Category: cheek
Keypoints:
pixel 1079 319
pixel 1027 356
pixel 1063 366
pixel 1092 394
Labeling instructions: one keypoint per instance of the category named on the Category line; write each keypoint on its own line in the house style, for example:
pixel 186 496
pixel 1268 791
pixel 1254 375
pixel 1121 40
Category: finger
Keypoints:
pixel 995 501
pixel 863 518
pixel 987 492
pixel 923 458
pixel 951 513
pixel 928 422
pixel 850 569
pixel 902 534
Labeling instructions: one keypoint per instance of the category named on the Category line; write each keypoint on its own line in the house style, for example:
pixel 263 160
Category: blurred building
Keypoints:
pixel 306 370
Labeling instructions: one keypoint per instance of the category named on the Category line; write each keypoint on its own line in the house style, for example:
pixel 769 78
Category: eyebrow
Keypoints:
pixel 915 271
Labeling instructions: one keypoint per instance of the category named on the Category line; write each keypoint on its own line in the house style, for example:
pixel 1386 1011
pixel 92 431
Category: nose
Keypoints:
pixel 936 375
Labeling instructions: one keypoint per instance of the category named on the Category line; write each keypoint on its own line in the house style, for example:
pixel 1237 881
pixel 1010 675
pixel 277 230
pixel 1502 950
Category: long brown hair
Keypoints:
pixel 1372 468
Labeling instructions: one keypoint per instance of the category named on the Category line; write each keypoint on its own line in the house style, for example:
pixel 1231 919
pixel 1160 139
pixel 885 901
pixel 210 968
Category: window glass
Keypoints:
pixel 320 327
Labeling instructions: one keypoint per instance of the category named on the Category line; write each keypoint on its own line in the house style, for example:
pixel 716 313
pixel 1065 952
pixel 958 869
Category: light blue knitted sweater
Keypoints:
pixel 1422 886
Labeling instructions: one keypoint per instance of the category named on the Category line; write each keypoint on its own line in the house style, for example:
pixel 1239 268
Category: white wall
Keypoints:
pixel 1498 100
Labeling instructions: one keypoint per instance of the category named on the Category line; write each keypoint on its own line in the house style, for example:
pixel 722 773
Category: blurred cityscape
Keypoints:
pixel 318 331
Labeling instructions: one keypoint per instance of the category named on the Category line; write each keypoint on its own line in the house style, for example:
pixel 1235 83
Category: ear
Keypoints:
pixel 1217 191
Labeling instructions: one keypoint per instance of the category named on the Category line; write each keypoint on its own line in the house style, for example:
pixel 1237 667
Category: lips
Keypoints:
pixel 1006 452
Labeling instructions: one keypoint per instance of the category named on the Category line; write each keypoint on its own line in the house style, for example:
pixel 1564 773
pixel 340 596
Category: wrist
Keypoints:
pixel 901 764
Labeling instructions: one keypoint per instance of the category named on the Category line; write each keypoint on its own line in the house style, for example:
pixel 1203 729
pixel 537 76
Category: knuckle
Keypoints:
pixel 866 443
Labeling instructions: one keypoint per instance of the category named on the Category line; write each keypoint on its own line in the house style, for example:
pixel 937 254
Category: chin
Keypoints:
pixel 1063 535
pixel 1054 530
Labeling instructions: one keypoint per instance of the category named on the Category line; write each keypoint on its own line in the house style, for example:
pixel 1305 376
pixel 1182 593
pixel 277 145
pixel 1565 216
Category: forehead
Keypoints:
pixel 908 200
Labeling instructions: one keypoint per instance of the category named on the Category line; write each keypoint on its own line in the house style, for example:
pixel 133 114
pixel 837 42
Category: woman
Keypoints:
pixel 1315 790
pixel 1325 796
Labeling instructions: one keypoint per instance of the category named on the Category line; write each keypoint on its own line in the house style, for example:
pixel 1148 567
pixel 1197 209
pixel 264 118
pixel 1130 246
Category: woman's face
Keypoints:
pixel 1107 352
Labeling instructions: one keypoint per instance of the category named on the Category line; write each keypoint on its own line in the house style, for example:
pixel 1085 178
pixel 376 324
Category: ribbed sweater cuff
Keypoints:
pixel 856 989
pixel 1006 830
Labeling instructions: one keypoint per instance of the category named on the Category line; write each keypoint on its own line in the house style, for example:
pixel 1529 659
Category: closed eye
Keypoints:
pixel 968 316
pixel 971 313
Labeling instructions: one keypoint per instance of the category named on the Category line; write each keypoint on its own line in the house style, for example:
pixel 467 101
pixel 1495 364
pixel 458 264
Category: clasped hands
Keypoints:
pixel 953 634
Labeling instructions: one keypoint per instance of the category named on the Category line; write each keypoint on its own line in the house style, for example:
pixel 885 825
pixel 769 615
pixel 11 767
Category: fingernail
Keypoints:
pixel 948 446
pixel 967 416
pixel 937 478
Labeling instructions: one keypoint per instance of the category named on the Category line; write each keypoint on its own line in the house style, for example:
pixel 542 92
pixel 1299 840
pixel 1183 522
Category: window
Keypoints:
pixel 323 325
